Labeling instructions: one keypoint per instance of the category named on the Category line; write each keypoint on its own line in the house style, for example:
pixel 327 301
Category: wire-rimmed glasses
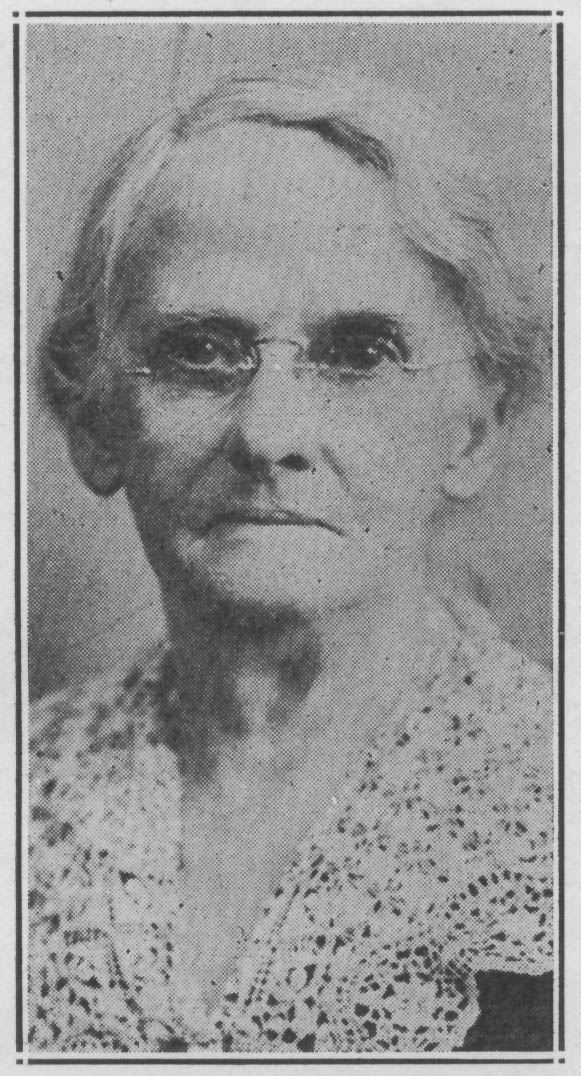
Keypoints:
pixel 214 354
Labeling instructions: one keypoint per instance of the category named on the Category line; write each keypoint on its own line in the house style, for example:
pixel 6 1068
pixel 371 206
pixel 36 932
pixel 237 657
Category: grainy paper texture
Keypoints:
pixel 289 469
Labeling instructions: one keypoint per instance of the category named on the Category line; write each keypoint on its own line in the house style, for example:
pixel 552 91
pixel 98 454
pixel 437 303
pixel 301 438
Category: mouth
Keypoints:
pixel 268 518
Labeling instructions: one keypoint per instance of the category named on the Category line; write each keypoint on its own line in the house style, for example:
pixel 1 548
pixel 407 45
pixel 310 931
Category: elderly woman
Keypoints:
pixel 317 816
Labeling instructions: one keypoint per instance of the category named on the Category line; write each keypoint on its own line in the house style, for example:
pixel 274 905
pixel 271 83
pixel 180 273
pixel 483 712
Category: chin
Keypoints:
pixel 305 574
pixel 272 592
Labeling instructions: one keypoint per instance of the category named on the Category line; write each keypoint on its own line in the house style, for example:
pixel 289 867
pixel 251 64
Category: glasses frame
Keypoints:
pixel 256 346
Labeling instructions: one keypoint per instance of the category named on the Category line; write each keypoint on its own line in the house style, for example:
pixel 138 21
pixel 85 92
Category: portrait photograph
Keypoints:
pixel 290 408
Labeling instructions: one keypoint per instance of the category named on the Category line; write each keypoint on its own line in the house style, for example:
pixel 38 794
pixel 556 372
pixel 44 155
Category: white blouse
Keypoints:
pixel 434 866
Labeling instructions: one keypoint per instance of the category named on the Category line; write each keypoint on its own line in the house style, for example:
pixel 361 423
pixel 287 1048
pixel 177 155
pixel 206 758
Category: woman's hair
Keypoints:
pixel 435 179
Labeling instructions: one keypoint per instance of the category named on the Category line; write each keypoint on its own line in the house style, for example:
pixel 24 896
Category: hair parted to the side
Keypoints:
pixel 435 180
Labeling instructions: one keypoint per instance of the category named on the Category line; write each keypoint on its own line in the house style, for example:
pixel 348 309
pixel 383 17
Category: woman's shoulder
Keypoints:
pixel 500 684
pixel 97 713
pixel 483 715
pixel 102 808
pixel 85 743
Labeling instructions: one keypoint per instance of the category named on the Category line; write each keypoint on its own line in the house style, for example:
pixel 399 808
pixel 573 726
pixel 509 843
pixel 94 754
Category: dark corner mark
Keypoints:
pixel 17 534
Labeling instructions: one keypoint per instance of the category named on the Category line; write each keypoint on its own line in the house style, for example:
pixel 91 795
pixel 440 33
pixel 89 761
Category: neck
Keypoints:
pixel 252 679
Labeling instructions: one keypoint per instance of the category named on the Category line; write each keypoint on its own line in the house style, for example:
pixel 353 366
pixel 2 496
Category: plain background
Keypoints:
pixel 92 596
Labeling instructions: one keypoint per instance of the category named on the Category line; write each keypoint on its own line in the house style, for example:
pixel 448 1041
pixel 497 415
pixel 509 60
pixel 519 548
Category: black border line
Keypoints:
pixel 278 14
pixel 309 1059
pixel 560 209
pixel 17 530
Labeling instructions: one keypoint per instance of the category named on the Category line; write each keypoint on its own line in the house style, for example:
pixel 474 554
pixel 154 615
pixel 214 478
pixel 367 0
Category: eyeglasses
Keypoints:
pixel 208 354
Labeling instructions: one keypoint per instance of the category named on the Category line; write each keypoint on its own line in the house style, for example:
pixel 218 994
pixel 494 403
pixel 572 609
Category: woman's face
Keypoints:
pixel 299 485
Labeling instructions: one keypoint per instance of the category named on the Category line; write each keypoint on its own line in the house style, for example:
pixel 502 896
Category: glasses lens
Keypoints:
pixel 205 356
pixel 358 354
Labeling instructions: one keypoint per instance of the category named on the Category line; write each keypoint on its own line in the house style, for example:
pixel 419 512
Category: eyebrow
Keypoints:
pixel 163 320
pixel 369 320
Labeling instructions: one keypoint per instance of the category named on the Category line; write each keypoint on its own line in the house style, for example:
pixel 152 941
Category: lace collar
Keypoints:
pixel 436 865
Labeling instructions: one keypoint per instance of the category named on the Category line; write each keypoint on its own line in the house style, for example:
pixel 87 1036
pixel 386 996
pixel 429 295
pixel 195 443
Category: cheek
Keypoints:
pixel 393 456
pixel 166 447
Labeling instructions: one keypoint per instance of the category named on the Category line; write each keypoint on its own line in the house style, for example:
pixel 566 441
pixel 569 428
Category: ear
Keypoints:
pixel 474 440
pixel 95 459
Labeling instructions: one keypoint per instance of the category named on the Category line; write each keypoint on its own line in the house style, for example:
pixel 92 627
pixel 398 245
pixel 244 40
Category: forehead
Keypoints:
pixel 281 176
pixel 278 216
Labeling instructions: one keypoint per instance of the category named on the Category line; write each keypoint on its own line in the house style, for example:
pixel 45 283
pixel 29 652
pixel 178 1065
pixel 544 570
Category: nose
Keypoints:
pixel 276 425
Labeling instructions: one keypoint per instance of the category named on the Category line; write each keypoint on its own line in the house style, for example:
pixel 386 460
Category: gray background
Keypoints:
pixel 92 595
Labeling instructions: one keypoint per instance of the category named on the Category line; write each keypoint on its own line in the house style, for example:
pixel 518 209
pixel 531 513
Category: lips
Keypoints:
pixel 270 517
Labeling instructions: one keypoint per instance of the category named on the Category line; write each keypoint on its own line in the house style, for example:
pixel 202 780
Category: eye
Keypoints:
pixel 207 355
pixel 359 353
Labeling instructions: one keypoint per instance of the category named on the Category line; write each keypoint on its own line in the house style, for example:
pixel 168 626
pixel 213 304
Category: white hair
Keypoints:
pixel 435 178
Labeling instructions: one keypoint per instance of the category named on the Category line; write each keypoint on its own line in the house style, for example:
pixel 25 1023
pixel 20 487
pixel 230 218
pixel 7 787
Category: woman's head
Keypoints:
pixel 322 214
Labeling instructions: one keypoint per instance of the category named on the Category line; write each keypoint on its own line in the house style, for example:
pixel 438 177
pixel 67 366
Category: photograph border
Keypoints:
pixel 20 614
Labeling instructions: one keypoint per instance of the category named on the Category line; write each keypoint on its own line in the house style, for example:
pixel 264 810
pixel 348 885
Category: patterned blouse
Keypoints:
pixel 433 868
